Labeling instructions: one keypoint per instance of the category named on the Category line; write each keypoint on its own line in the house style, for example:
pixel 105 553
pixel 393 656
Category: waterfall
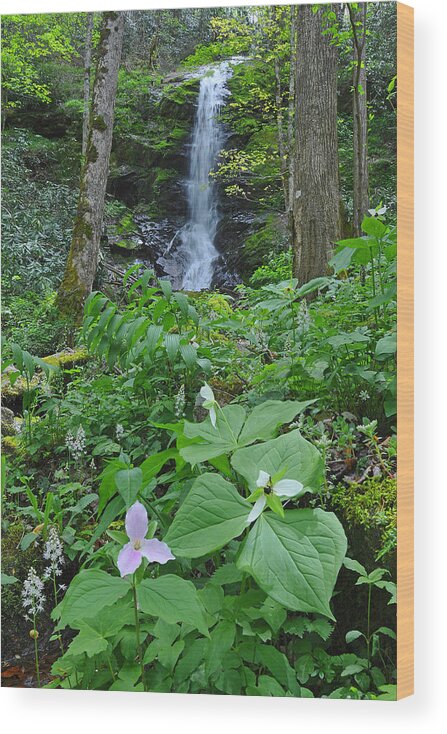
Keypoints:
pixel 195 252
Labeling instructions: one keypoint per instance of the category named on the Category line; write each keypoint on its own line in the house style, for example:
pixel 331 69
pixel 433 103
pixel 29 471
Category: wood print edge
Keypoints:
pixel 405 351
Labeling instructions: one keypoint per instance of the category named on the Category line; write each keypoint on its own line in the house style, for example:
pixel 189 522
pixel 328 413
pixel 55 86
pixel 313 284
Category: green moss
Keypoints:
pixel 371 505
pixel 11 445
pixel 98 123
pixel 68 359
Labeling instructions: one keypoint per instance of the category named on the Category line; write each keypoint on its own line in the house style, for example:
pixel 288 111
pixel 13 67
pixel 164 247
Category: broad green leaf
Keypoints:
pixel 172 343
pixel 190 661
pixel 342 259
pixel 353 635
pixel 153 464
pixel 291 453
pixel 7 580
pixel 212 514
pixel 374 227
pixel 189 354
pixel 296 560
pixel 172 599
pixel 222 638
pixel 94 633
pixel 128 483
pixel 386 346
pixel 265 419
pixel 277 663
pixel 222 439
pixel 89 642
pixel 345 339
pixel 89 592
pixel 353 565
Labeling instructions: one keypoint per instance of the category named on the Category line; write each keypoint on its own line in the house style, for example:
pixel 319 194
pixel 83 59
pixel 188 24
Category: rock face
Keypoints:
pixel 149 174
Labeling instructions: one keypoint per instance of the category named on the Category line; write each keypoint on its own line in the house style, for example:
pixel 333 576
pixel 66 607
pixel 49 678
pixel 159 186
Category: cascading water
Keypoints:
pixel 192 251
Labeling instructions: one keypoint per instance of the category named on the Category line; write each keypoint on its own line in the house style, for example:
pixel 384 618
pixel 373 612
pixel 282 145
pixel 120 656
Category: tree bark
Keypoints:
pixel 315 207
pixel 360 117
pixel 82 260
pixel 87 78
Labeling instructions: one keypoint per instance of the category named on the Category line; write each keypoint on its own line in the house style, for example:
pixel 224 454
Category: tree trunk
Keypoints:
pixel 87 75
pixel 315 205
pixel 82 260
pixel 360 117
pixel 291 109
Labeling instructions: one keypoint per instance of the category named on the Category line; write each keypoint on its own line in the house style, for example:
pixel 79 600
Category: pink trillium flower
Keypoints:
pixel 131 555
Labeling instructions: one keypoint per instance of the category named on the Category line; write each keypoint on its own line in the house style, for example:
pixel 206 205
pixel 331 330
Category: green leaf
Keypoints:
pixel 94 633
pixel 189 354
pixel 89 592
pixel 275 504
pixel 277 663
pixel 355 566
pixel 212 514
pixel 265 419
pixel 290 452
pixel 7 580
pixel 222 638
pixel 128 483
pixel 353 635
pixel 342 259
pixel 215 441
pixel 374 227
pixel 386 346
pixel 296 560
pixel 172 599
pixel 172 343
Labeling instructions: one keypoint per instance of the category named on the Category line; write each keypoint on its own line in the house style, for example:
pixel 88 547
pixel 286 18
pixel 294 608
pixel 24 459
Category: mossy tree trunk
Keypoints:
pixel 82 259
pixel 315 220
pixel 360 116
pixel 87 80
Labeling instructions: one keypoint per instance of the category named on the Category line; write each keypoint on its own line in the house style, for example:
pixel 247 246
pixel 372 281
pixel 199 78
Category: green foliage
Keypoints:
pixel 371 505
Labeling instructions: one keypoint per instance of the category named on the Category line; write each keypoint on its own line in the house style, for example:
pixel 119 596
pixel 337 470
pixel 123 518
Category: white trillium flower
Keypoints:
pixel 209 403
pixel 283 488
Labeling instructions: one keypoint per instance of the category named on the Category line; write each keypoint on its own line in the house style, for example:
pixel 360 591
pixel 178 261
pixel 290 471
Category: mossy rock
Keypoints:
pixel 11 445
pixel 13 393
pixel 68 358
pixel 9 427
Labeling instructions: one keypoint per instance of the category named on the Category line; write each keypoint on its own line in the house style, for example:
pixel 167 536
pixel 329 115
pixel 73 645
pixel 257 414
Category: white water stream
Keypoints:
pixel 195 252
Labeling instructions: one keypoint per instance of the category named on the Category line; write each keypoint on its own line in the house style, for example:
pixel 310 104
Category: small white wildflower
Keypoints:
pixel 303 319
pixel 364 395
pixel 76 444
pixel 119 431
pixel 180 402
pixel 33 598
pixel 54 554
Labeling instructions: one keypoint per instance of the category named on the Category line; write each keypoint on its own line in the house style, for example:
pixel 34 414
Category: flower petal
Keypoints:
pixel 156 550
pixel 213 417
pixel 257 509
pixel 206 392
pixel 136 521
pixel 288 488
pixel 128 559
pixel 263 479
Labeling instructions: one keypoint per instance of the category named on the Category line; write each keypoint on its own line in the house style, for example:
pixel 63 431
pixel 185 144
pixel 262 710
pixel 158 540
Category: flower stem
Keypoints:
pixel 59 636
pixel 137 633
pixel 36 651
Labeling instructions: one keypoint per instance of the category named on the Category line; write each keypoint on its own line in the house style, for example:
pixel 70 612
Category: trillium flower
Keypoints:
pixel 131 555
pixel 209 402
pixel 268 492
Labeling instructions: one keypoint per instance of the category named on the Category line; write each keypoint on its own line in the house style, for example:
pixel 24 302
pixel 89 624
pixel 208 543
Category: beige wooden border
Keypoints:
pixel 405 351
